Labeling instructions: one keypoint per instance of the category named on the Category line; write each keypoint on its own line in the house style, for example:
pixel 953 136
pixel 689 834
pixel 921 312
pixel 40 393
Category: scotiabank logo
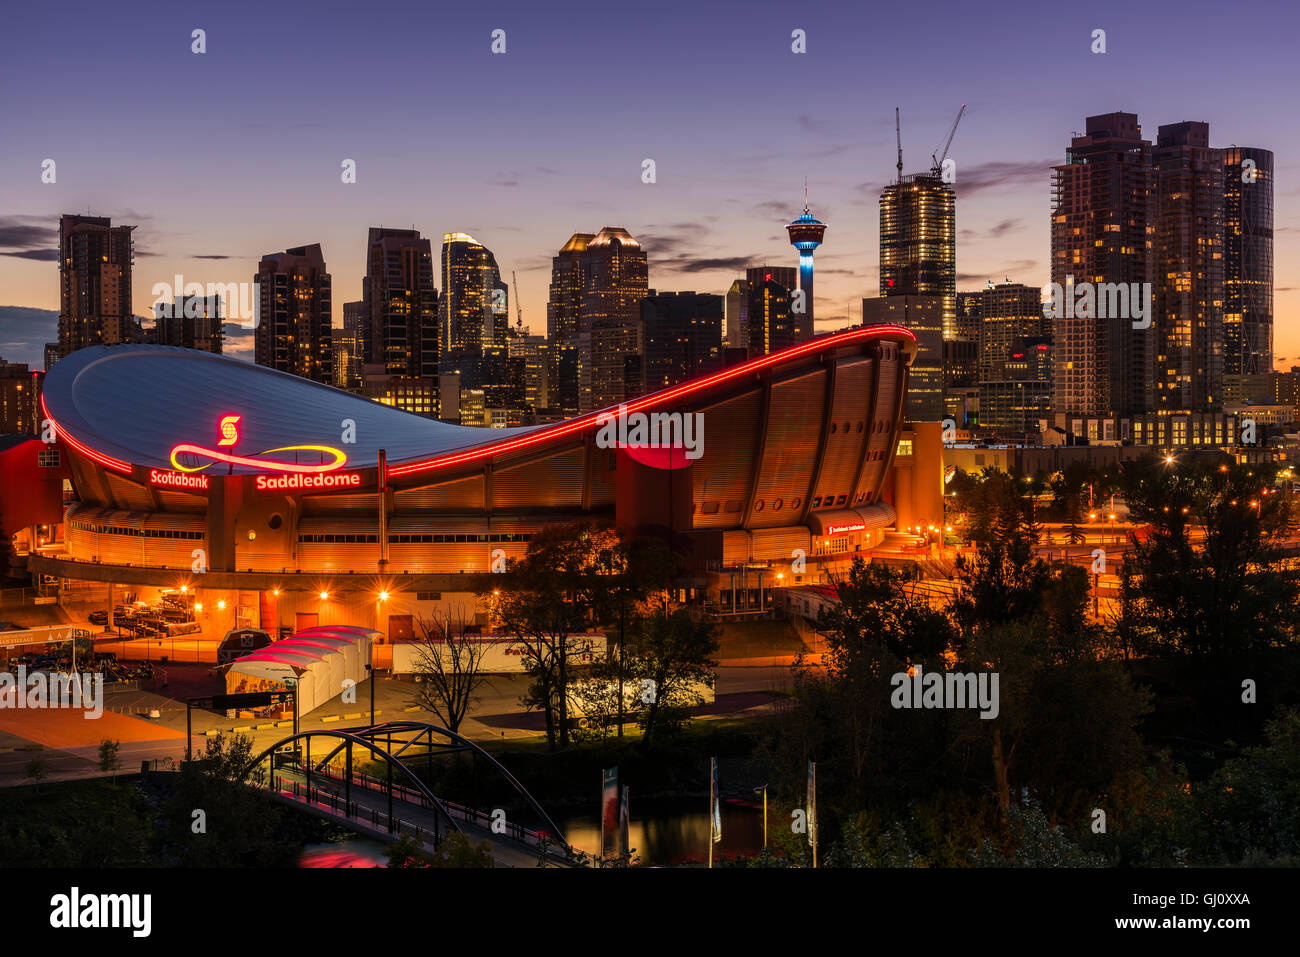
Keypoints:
pixel 186 457
pixel 177 480
pixel 290 483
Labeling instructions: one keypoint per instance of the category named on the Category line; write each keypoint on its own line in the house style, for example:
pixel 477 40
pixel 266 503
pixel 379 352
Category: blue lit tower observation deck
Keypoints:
pixel 806 235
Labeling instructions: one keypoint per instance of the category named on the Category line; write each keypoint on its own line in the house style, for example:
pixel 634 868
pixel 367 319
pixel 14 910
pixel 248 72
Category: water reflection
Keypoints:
pixel 669 832
pixel 352 852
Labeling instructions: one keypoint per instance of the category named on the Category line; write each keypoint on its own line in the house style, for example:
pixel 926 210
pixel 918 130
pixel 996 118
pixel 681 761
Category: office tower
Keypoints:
pixel 353 341
pixel 401 303
pixel 20 393
pixel 1105 209
pixel 1009 312
pixel 564 306
pixel 473 310
pixel 51 355
pixel 923 315
pixel 918 242
pixel 192 322
pixel 95 260
pixel 564 376
pixel 683 337
pixel 295 328
pixel 597 284
pixel 1247 260
pixel 1188 315
pixel 1020 398
pixel 736 335
pixel 970 311
pixel 770 325
pixel 806 234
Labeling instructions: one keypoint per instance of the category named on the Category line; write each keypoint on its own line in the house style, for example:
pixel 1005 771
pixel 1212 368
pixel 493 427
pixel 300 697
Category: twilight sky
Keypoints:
pixel 223 157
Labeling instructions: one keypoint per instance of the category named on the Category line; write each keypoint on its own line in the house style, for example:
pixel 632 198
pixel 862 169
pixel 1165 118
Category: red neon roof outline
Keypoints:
pixel 583 422
pixel 117 465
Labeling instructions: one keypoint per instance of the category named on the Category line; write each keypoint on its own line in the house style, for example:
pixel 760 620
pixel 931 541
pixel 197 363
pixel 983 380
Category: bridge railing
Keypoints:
pixel 484 819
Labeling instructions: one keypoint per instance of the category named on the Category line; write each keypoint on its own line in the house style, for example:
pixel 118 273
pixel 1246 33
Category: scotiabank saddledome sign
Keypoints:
pixel 292 475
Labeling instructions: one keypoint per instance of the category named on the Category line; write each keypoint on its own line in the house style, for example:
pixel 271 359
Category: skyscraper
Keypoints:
pixel 1247 260
pixel 683 337
pixel 918 242
pixel 473 311
pixel 770 325
pixel 295 330
pixel 564 307
pixel 352 341
pixel 1009 312
pixel 735 335
pixel 806 234
pixel 95 260
pixel 1189 270
pixel 597 284
pixel 924 316
pixel 400 328
pixel 1105 209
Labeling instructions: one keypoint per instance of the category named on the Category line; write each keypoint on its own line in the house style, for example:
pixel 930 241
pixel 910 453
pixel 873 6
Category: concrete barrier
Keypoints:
pixel 328 718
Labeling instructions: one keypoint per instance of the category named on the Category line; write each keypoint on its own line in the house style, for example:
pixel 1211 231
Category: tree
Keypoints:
pixel 1234 593
pixel 542 601
pixel 456 850
pixel 673 656
pixel 108 756
pixel 448 666
pixel 35 770
pixel 1031 841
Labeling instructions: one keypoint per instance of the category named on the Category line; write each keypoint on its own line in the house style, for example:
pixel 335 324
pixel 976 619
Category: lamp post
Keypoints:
pixel 370 670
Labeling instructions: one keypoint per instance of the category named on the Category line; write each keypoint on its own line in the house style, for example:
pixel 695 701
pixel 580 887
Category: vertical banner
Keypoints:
pixel 812 809
pixel 624 821
pixel 609 825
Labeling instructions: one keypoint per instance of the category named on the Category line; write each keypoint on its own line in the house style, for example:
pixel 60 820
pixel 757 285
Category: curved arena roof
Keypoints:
pixel 131 406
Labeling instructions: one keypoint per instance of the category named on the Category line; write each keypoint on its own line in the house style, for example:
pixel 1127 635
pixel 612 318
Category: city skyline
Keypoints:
pixel 722 196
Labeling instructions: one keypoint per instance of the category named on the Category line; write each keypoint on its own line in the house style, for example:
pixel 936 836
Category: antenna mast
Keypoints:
pixel 898 138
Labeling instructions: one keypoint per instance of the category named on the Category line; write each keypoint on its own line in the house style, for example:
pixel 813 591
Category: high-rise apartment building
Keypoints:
pixel 1188 316
pixel 351 340
pixel 295 329
pixel 401 304
pixel 1105 212
pixel 1247 260
pixel 192 322
pixel 95 261
pixel 918 242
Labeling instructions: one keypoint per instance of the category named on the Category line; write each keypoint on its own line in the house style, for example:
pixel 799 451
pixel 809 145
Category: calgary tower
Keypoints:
pixel 806 235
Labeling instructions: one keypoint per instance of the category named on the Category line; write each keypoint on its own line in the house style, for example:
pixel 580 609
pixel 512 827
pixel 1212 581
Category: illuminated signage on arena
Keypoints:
pixel 840 529
pixel 178 480
pixel 228 430
pixel 307 483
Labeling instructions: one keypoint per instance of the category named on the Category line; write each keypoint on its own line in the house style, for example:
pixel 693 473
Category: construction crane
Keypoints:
pixel 898 138
pixel 519 307
pixel 942 154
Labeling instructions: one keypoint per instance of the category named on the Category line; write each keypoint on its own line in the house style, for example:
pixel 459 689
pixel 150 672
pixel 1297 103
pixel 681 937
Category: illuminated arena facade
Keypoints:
pixel 263 490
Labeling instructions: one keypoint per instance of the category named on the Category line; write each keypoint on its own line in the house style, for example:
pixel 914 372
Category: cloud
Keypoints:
pixel 991 175
pixel 29 237
pixel 1019 270
pixel 24 331
pixel 729 263
pixel 209 256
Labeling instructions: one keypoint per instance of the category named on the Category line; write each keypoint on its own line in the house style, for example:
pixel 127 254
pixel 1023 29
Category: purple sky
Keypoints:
pixel 223 157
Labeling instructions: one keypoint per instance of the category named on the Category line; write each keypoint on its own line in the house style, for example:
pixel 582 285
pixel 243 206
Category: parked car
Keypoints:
pixel 99 618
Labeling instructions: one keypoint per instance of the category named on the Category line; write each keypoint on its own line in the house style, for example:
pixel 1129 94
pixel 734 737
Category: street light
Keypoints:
pixel 371 672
